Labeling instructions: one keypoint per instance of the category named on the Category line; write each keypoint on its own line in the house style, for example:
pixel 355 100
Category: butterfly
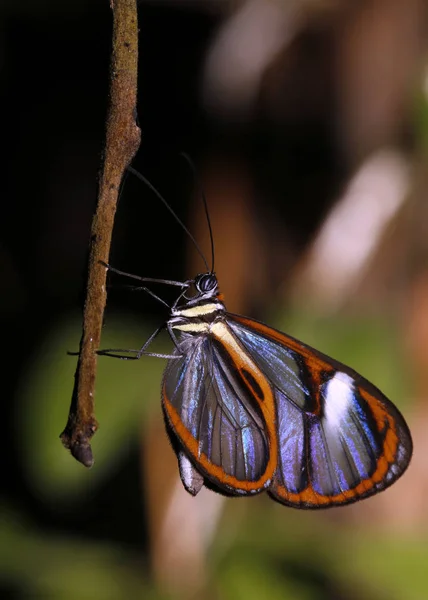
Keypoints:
pixel 250 409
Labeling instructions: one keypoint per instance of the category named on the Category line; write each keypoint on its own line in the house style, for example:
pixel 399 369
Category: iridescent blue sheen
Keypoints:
pixel 321 473
pixel 291 439
pixel 334 450
pixel 328 439
pixel 216 407
pixel 278 363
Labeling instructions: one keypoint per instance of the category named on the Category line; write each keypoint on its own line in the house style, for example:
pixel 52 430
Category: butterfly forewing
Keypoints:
pixel 217 418
pixel 339 437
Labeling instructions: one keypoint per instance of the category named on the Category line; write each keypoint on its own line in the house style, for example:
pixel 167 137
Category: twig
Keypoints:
pixel 122 142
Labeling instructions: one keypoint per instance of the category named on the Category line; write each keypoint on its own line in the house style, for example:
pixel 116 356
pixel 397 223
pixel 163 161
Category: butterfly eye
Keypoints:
pixel 206 283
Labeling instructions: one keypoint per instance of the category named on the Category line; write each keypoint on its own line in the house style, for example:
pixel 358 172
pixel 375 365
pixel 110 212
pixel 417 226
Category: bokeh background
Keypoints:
pixel 308 123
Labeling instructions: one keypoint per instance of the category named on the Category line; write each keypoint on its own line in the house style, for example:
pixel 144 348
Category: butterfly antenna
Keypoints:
pixel 204 202
pixel 176 217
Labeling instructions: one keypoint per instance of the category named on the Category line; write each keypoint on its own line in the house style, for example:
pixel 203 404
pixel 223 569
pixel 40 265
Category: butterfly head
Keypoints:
pixel 206 284
pixel 205 291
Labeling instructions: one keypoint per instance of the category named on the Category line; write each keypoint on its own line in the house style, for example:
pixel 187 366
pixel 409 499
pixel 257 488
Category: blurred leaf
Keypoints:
pixel 125 392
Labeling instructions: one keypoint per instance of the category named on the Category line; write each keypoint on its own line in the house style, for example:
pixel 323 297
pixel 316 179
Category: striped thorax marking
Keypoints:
pixel 196 319
pixel 197 327
pixel 199 310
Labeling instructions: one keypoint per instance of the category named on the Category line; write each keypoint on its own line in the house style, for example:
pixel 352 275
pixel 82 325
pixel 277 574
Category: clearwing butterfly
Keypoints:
pixel 248 408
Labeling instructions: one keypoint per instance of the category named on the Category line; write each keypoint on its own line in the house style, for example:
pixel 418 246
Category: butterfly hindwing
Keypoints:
pixel 339 437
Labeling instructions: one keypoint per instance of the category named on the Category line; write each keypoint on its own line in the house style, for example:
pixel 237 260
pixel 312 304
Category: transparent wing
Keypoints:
pixel 216 417
pixel 340 439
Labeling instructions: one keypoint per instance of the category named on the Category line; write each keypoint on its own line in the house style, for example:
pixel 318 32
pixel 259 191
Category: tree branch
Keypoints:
pixel 122 142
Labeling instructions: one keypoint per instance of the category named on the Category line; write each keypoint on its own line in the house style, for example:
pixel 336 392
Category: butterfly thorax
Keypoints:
pixel 196 314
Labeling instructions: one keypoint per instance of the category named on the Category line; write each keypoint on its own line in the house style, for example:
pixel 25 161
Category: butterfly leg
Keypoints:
pixel 173 337
pixel 113 352
pixel 186 285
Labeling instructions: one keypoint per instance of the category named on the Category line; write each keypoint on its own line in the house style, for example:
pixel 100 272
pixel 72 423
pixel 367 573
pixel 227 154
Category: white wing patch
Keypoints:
pixel 338 394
